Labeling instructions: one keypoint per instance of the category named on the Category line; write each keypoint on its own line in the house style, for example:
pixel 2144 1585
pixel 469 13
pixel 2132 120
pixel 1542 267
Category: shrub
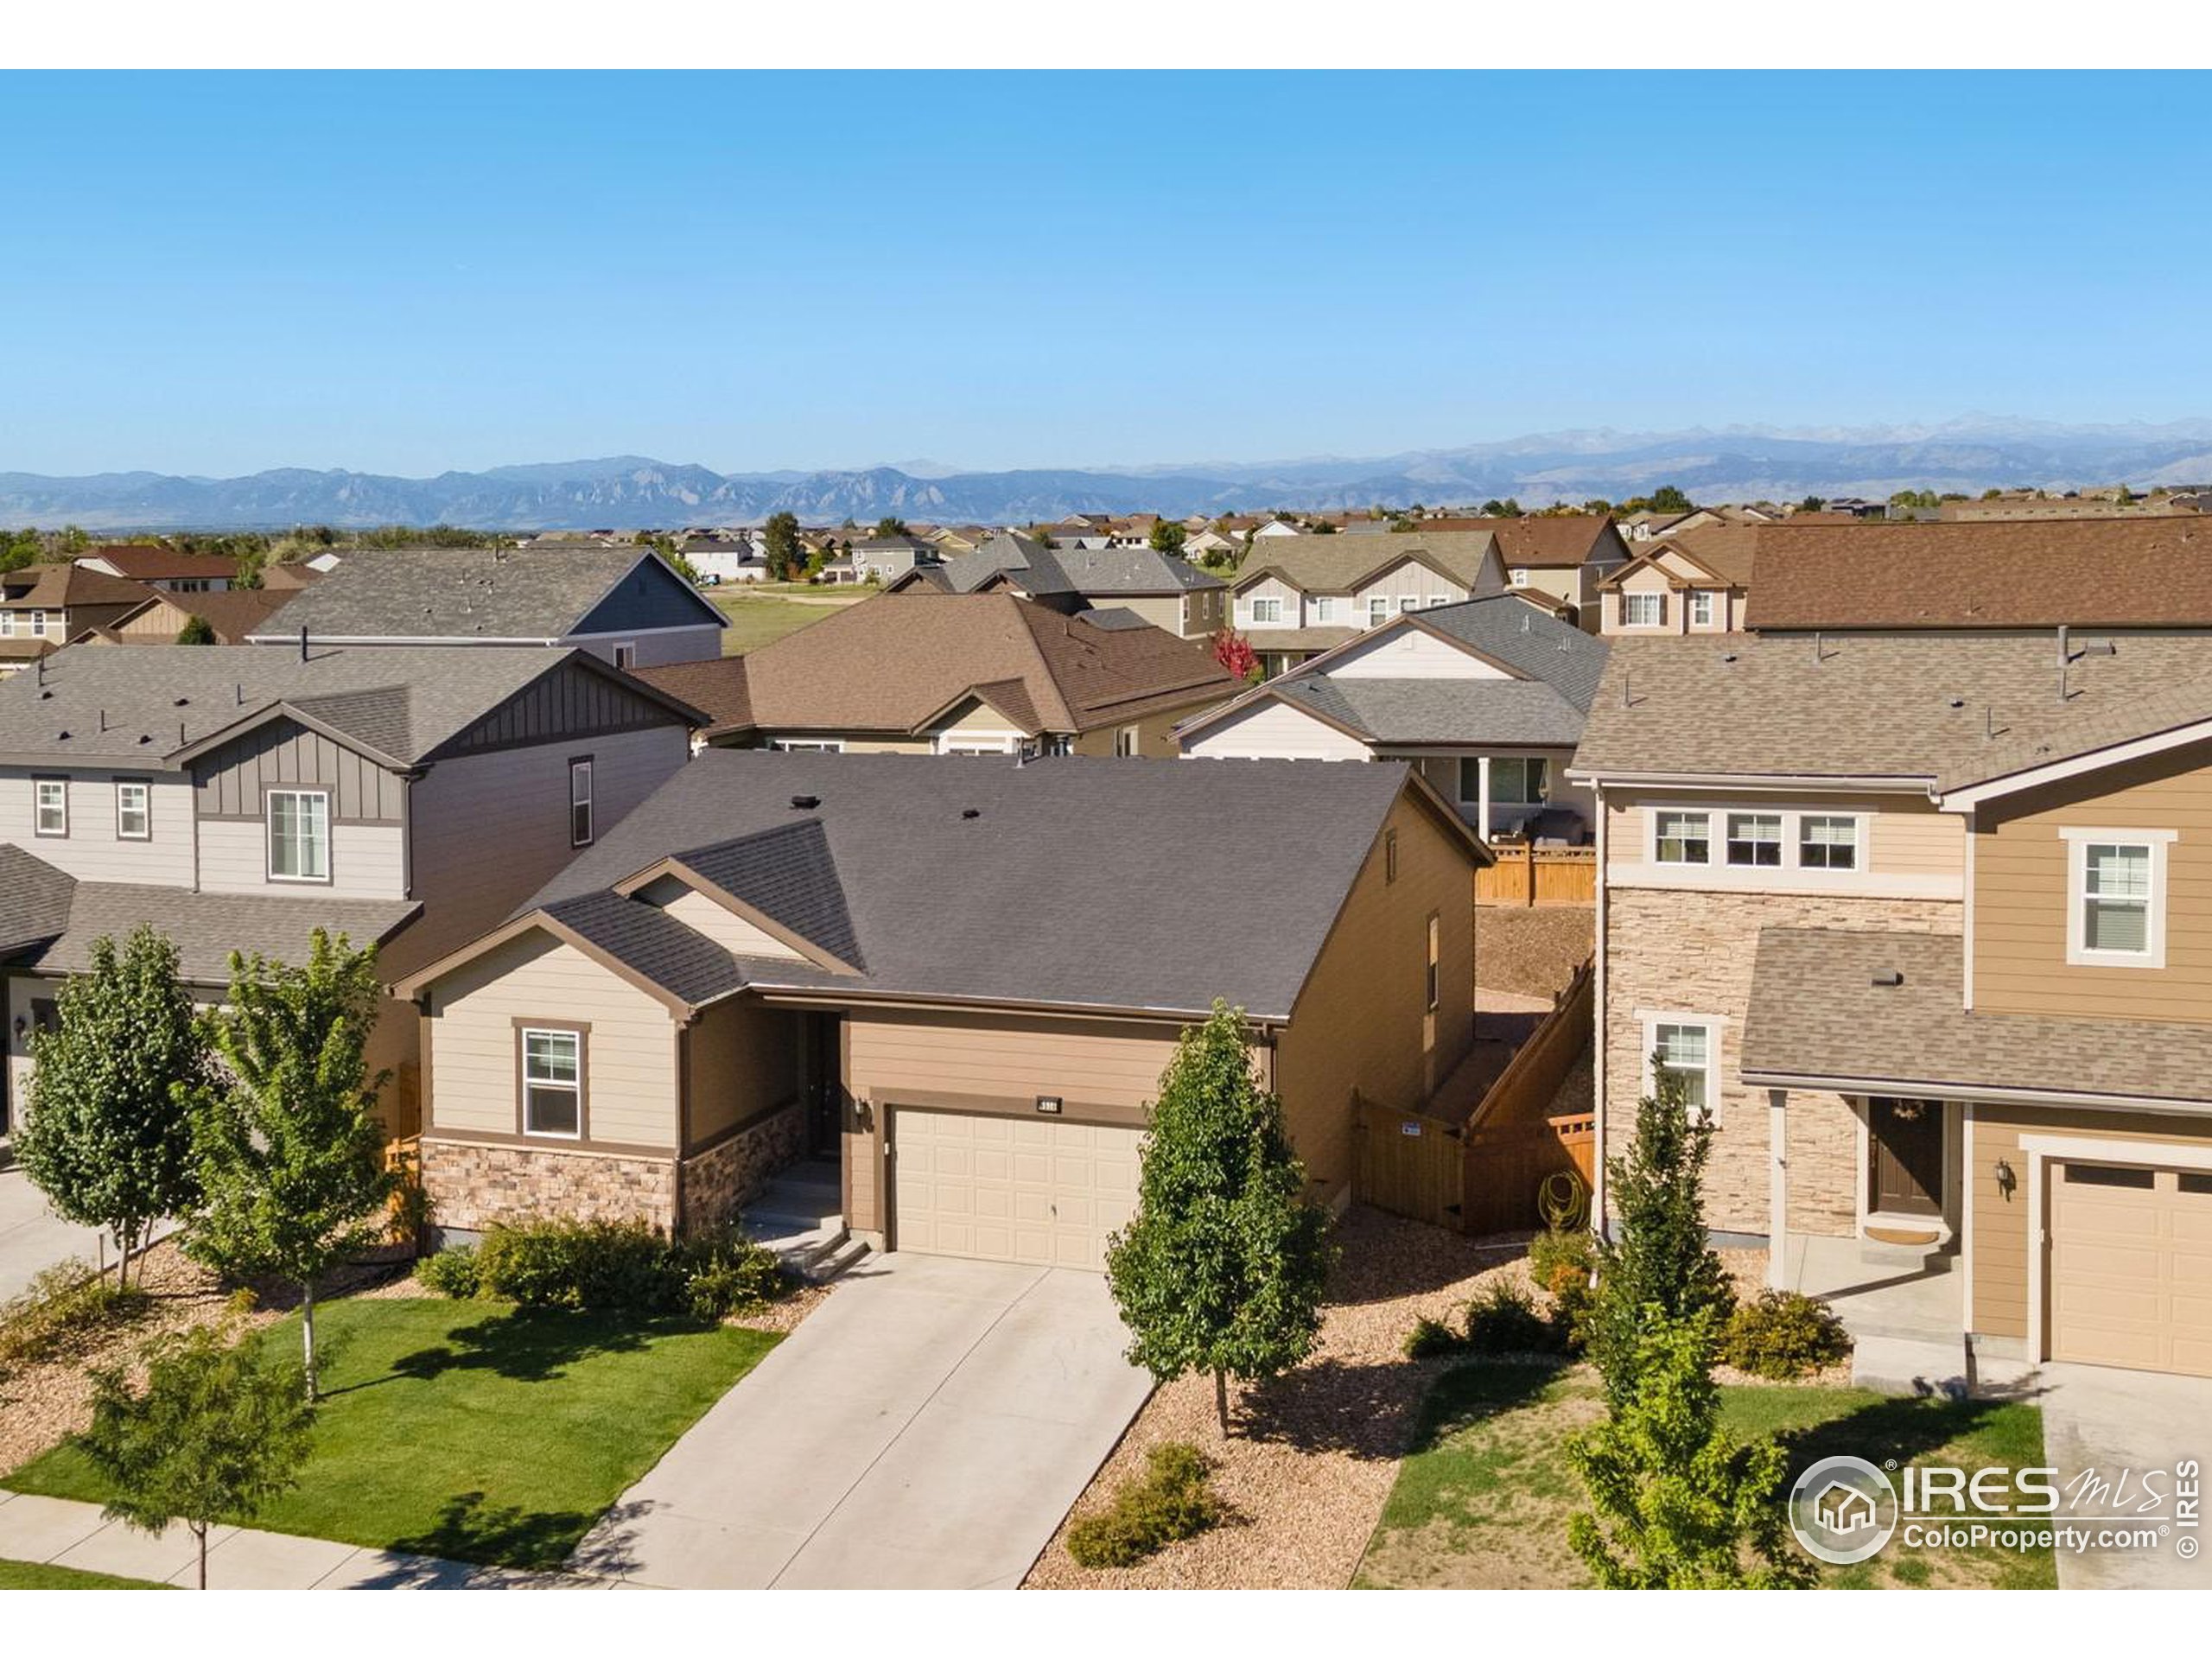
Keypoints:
pixel 728 1274
pixel 1561 1261
pixel 1174 1499
pixel 64 1309
pixel 1783 1335
pixel 1429 1338
pixel 580 1264
pixel 451 1272
pixel 1504 1320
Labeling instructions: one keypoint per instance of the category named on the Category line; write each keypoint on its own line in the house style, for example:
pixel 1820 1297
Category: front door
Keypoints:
pixel 1905 1139
pixel 822 1084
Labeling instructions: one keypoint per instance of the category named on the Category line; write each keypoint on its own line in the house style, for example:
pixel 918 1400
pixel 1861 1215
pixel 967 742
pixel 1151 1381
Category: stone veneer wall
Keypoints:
pixel 720 1179
pixel 1692 952
pixel 473 1185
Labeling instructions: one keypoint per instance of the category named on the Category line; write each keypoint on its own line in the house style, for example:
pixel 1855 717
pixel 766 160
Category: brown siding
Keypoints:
pixel 744 1063
pixel 2000 1232
pixel 1359 1023
pixel 2020 894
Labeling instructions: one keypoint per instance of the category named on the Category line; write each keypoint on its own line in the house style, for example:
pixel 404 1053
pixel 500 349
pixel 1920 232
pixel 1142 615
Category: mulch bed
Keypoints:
pixel 1314 1453
pixel 1533 951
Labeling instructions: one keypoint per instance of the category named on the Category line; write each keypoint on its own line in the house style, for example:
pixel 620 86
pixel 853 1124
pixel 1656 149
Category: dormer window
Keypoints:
pixel 1267 610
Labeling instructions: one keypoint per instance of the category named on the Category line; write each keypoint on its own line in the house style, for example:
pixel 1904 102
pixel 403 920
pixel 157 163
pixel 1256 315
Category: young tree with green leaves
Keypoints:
pixel 1676 1503
pixel 107 1137
pixel 217 1431
pixel 889 525
pixel 290 1153
pixel 779 546
pixel 195 631
pixel 1223 1265
pixel 1659 1266
pixel 1167 535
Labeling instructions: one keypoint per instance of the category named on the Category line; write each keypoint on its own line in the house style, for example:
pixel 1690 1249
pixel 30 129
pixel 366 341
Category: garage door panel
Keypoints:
pixel 1042 1190
pixel 2130 1269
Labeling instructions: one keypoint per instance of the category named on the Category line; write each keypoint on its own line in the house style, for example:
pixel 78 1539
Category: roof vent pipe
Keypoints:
pixel 971 812
pixel 805 802
pixel 1889 978
pixel 303 643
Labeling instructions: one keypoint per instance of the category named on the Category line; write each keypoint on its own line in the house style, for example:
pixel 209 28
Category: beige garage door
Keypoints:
pixel 2131 1267
pixel 1037 1190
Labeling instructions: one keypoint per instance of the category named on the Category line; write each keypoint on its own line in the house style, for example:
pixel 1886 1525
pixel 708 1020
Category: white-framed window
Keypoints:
pixel 1325 610
pixel 1436 602
pixel 1643 610
pixel 1701 607
pixel 1686 1049
pixel 1680 837
pixel 552 1071
pixel 1519 780
pixel 1378 610
pixel 1267 610
pixel 809 744
pixel 1435 952
pixel 1755 839
pixel 7 624
pixel 2116 897
pixel 1408 603
pixel 1827 841
pixel 299 835
pixel 51 798
pixel 625 654
pixel 582 826
pixel 1125 741
pixel 134 810
pixel 38 625
pixel 1519 577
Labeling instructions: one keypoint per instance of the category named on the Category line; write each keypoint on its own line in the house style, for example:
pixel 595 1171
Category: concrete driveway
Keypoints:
pixel 2096 1418
pixel 32 1236
pixel 927 1427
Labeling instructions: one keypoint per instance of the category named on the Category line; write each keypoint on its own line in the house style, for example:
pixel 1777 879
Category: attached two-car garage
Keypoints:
pixel 1037 1190
pixel 2130 1266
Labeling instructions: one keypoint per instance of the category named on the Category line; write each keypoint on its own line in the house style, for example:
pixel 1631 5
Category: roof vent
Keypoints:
pixel 1958 702
pixel 1728 656
pixel 181 702
pixel 971 812
pixel 1889 978
pixel 805 802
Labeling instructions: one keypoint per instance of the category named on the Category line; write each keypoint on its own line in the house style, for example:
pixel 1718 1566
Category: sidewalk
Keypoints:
pixel 60 1532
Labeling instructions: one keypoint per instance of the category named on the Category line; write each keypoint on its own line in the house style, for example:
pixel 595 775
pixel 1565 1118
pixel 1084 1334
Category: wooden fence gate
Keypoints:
pixel 1406 1164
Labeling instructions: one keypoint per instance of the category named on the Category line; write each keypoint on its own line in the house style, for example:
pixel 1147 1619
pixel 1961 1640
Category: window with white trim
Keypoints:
pixel 581 823
pixel 51 796
pixel 1701 608
pixel 808 745
pixel 1520 577
pixel 1408 603
pixel 1643 610
pixel 1267 610
pixel 1519 780
pixel 1686 1052
pixel 2117 890
pixel 1435 952
pixel 38 625
pixel 1125 741
pixel 299 835
pixel 1681 837
pixel 553 1082
pixel 1324 609
pixel 1755 839
pixel 7 624
pixel 625 654
pixel 1437 601
pixel 134 810
pixel 1378 611
pixel 1827 841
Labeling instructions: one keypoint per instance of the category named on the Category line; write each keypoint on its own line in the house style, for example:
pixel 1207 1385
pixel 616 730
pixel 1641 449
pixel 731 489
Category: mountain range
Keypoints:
pixel 1971 453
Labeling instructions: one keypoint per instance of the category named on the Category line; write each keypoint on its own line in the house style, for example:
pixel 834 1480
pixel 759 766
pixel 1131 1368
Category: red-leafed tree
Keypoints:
pixel 1234 652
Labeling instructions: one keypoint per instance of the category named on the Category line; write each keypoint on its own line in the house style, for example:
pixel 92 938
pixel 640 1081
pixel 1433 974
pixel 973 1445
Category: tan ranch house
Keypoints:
pixel 958 981
pixel 1918 906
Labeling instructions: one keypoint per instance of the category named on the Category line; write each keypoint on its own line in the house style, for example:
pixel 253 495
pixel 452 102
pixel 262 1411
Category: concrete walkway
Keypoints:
pixel 60 1532
pixel 2096 1418
pixel 927 1427
pixel 32 1237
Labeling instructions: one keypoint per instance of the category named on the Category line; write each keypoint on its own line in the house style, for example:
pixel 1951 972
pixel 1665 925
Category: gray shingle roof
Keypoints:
pixel 48 921
pixel 1441 711
pixel 146 702
pixel 1530 641
pixel 1054 570
pixel 463 593
pixel 1932 706
pixel 1056 891
pixel 787 873
pixel 1814 1012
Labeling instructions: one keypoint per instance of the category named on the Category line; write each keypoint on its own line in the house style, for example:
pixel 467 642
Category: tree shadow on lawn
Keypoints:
pixel 528 1344
pixel 472 1529
pixel 1385 1410
pixel 1904 1428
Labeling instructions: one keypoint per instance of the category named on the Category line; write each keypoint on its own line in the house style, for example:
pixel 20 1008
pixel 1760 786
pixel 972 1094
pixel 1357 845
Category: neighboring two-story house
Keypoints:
pixel 163 567
pixel 1487 697
pixel 1295 597
pixel 42 607
pixel 1696 581
pixel 1909 887
pixel 624 604
pixel 1562 557
pixel 1166 591
pixel 929 673
pixel 237 798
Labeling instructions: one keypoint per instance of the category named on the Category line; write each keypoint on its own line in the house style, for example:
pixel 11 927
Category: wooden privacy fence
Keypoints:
pixel 1483 1176
pixel 1538 875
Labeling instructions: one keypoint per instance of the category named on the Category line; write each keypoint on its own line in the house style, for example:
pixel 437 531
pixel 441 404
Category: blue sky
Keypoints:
pixel 406 273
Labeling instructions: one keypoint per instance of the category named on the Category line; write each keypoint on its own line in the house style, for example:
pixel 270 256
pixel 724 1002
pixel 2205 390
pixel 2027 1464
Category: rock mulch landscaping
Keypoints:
pixel 1315 1453
pixel 1533 952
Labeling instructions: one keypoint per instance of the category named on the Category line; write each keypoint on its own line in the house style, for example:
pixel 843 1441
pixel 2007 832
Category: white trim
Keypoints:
pixel 807 745
pixel 1603 1011
pixel 1840 1085
pixel 569 639
pixel 146 810
pixel 39 831
pixel 976 742
pixel 1966 883
pixel 576 1088
pixel 1966 1214
pixel 2097 760
pixel 1791 875
pixel 1714 1025
pixel 582 763
pixel 1777 1190
pixel 1783 780
pixel 2065 1148
pixel 268 838
pixel 2079 954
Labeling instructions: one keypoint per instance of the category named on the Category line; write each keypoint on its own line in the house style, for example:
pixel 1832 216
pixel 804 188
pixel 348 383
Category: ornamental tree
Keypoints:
pixel 290 1153
pixel 107 1138
pixel 1234 652
pixel 217 1431
pixel 1222 1266
pixel 1167 535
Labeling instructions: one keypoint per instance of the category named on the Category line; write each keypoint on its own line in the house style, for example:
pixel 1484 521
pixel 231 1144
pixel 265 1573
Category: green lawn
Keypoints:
pixel 1483 1500
pixel 33 1575
pixel 756 620
pixel 475 1430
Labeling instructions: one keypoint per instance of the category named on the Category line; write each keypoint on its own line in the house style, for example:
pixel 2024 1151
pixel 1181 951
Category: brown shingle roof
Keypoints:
pixel 891 663
pixel 233 614
pixel 1554 541
pixel 57 587
pixel 1338 565
pixel 151 562
pixel 2118 573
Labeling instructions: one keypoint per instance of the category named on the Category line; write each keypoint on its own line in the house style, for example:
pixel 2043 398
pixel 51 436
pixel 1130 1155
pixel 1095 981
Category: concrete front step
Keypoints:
pixel 1911 1364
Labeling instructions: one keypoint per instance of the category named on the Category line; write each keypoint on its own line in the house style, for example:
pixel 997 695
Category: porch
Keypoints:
pixel 1905 1308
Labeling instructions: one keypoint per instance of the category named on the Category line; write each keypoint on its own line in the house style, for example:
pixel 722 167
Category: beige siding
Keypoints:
pixel 854 743
pixel 1360 1022
pixel 1271 728
pixel 92 851
pixel 368 860
pixel 1564 585
pixel 1161 610
pixel 1913 850
pixel 1410 654
pixel 2020 875
pixel 703 915
pixel 2001 1231
pixel 1155 734
pixel 744 1061
pixel 1270 588
pixel 630 1055
pixel 1408 580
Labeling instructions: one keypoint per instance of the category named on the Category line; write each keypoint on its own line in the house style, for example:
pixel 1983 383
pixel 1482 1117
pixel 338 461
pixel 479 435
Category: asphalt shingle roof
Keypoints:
pixel 1338 565
pixel 980 879
pixel 1052 571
